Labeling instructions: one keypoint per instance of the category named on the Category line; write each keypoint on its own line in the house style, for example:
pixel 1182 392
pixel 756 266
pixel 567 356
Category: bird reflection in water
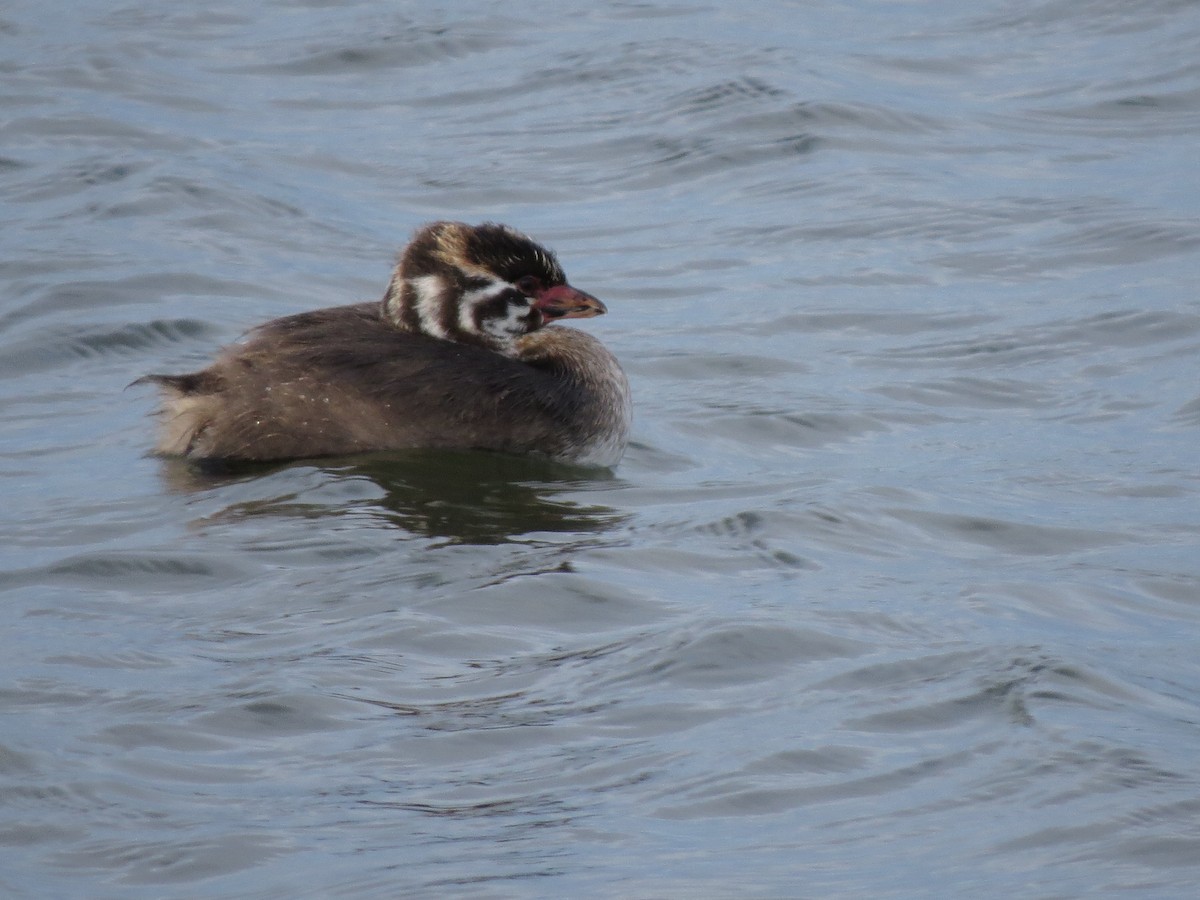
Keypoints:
pixel 463 497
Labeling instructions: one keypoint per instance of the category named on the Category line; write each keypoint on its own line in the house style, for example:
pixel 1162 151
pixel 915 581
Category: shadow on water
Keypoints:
pixel 464 497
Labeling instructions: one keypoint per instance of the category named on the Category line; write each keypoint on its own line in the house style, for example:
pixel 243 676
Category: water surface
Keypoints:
pixel 895 593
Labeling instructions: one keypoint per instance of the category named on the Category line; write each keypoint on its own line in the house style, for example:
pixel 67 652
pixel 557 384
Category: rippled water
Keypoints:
pixel 896 593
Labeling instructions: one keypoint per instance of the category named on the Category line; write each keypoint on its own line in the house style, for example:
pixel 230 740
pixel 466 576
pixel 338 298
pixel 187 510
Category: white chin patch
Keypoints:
pixel 503 328
pixel 513 324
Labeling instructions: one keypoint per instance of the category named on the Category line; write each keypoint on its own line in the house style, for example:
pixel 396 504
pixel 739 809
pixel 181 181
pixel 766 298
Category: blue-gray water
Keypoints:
pixel 896 593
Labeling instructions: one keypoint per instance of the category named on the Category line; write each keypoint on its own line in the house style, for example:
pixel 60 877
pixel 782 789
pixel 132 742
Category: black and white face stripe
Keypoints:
pixel 498 311
pixel 457 282
pixel 430 300
pixel 491 312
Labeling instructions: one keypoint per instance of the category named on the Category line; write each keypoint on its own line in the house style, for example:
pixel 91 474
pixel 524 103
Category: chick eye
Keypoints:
pixel 528 285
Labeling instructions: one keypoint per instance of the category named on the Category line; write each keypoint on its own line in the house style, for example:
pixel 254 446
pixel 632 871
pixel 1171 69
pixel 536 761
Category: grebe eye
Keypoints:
pixel 528 285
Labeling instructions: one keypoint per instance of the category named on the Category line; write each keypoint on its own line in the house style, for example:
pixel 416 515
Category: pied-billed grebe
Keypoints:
pixel 455 356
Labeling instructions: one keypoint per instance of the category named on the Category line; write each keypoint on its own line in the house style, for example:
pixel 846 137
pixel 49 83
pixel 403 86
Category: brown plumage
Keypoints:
pixel 455 356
